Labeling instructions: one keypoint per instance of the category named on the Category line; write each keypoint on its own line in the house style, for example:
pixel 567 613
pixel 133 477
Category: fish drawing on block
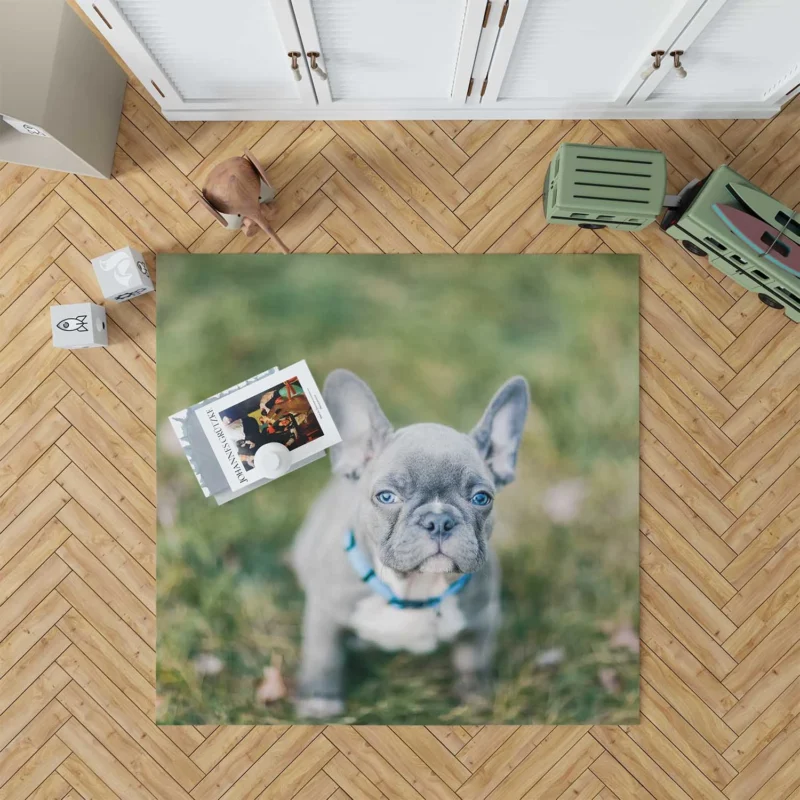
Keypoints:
pixel 761 237
pixel 77 324
pixel 120 264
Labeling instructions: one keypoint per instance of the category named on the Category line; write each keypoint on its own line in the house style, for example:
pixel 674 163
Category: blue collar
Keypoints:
pixel 364 570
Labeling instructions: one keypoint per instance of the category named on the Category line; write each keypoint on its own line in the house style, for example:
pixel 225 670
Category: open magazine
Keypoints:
pixel 222 434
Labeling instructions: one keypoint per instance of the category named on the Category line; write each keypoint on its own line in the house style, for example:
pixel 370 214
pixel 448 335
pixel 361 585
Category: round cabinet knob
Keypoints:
pixel 676 60
pixel 657 56
pixel 295 65
pixel 273 459
pixel 315 68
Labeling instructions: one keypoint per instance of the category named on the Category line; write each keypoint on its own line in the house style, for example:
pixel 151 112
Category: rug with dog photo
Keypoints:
pixel 468 552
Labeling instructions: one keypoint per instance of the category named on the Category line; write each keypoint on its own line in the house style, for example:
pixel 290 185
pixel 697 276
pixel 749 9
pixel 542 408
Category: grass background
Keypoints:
pixel 434 336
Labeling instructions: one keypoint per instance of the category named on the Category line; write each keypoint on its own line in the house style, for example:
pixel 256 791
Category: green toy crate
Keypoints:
pixel 598 187
pixel 696 225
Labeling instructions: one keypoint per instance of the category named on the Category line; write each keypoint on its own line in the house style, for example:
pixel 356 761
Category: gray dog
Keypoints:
pixel 396 548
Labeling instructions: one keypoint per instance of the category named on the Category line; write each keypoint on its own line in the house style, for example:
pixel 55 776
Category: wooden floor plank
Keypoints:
pixel 676 584
pixel 394 749
pixel 209 135
pixel 31 703
pixel 686 665
pixel 299 153
pixel 101 763
pixel 113 520
pixel 109 588
pixel 691 634
pixel 712 475
pixel 149 158
pixel 388 202
pixel 169 142
pixel 37 769
pixel 31 484
pixel 683 482
pixel 686 702
pixel 475 134
pixel 30 267
pixel 513 190
pixel 688 741
pixel 401 179
pixel 31 738
pixel 503 762
pixel 39 294
pixel 154 199
pixel 26 198
pixel 31 629
pixel 372 223
pixel 91 606
pixel 30 230
pixel 12 176
pixel 237 762
pixel 643 768
pixel 29 434
pixel 84 782
pixel 108 443
pixel 437 143
pixel 682 301
pixel 767 508
pixel 419 161
pixel 301 770
pixel 28 559
pixel 109 479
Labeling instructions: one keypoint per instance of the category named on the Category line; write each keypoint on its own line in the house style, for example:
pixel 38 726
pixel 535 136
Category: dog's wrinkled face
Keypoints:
pixel 426 492
pixel 430 503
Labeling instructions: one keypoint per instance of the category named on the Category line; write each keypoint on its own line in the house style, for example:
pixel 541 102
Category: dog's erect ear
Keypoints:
pixel 361 423
pixel 499 432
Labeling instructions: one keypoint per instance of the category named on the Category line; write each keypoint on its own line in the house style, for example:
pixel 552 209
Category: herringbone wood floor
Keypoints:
pixel 720 487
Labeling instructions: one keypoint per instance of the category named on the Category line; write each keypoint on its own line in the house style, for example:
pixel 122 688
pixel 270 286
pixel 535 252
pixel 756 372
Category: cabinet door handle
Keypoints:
pixel 676 60
pixel 313 56
pixel 294 55
pixel 657 56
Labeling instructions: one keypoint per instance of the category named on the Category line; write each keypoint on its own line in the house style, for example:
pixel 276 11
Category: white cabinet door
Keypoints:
pixel 572 53
pixel 208 54
pixel 747 52
pixel 409 54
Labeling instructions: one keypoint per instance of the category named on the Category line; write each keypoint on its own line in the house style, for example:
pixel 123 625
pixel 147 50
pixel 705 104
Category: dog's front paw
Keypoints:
pixel 319 707
pixel 474 691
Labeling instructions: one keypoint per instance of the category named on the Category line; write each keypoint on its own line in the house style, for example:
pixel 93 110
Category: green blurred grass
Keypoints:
pixel 434 336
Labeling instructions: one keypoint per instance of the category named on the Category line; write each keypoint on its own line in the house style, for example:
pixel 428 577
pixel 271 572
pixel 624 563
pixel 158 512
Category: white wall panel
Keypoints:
pixel 747 49
pixel 214 50
pixel 374 50
pixel 584 50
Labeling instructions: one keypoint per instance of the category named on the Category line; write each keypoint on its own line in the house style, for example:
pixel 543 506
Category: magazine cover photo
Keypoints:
pixel 282 414
pixel 457 542
pixel 284 408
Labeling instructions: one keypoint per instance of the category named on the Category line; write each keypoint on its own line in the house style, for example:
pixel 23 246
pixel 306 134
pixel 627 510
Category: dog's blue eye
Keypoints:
pixel 386 498
pixel 481 499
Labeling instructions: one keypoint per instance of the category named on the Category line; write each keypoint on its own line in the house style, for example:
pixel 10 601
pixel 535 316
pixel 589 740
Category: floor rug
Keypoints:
pixel 465 552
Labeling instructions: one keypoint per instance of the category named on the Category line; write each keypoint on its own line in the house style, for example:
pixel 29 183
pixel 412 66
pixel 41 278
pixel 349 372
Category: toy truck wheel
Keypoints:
pixel 592 226
pixel 769 301
pixel 693 248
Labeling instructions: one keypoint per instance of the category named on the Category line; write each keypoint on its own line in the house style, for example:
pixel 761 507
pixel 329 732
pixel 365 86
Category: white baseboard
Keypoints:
pixel 333 112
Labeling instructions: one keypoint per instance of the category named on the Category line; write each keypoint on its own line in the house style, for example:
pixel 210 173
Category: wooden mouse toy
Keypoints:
pixel 233 195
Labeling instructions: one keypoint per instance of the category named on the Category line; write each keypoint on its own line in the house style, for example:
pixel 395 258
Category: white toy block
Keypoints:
pixel 122 274
pixel 78 325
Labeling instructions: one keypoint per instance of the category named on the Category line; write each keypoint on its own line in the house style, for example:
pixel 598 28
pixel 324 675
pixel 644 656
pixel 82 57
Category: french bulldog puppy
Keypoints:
pixel 420 503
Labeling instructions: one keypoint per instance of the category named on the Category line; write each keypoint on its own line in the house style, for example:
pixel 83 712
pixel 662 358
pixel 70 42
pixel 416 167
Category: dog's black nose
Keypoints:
pixel 439 524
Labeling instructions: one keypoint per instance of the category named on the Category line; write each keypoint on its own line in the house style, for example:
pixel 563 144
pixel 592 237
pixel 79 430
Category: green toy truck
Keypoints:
pixel 605 187
pixel 702 232
pixel 598 187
